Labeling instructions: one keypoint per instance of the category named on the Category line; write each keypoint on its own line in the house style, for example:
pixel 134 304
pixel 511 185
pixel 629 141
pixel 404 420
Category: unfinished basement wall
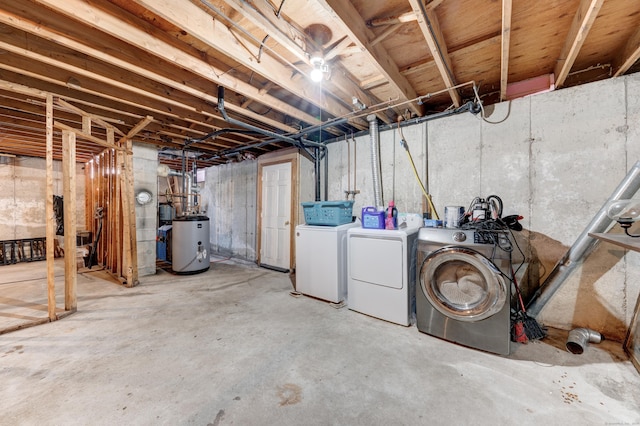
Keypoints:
pixel 554 158
pixel 145 177
pixel 23 186
pixel 229 200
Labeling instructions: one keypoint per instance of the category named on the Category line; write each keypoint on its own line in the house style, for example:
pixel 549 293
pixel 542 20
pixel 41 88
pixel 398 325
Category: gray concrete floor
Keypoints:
pixel 232 346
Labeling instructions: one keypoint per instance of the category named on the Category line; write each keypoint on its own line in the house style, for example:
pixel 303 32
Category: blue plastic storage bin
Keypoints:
pixel 328 213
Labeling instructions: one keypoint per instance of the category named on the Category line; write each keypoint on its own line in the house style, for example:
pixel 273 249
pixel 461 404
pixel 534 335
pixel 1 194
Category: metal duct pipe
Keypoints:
pixel 228 119
pixel 584 243
pixel 374 135
pixel 217 133
pixel 294 140
pixel 579 337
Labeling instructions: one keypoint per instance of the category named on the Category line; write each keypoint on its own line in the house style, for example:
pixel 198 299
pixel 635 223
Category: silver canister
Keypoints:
pixel 453 216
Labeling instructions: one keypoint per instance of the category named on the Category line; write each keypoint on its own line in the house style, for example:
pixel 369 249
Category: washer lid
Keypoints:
pixel 462 284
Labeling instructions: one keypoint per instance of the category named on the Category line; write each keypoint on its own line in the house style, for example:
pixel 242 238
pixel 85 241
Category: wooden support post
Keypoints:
pixel 113 205
pixel 117 203
pixel 69 181
pixel 49 216
pixel 130 212
pixel 130 250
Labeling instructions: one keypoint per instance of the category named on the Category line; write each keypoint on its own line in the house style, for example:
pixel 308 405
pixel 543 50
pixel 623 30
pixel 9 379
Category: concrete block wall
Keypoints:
pixel 145 177
pixel 554 158
pixel 229 200
pixel 23 192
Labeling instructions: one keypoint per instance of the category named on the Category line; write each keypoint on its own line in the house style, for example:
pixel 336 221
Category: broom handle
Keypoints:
pixel 515 283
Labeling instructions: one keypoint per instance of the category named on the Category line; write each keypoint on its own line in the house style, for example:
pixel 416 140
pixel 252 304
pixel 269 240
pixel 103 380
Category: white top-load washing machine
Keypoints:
pixel 381 279
pixel 321 261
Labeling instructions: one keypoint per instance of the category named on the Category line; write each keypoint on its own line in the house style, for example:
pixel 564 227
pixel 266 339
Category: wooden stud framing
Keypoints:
pixel 49 215
pixel 70 218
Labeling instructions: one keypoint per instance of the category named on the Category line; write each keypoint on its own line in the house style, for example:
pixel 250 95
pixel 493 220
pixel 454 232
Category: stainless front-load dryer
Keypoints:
pixel 463 287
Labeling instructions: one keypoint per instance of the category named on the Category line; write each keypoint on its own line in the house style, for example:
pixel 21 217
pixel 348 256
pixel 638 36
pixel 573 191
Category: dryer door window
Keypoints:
pixel 462 284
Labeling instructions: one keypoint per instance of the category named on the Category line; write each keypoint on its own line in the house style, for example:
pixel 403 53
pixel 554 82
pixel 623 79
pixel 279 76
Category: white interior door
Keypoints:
pixel 275 237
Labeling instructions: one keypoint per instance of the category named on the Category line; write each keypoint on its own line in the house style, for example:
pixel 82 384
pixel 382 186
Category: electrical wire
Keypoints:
pixel 404 144
pixel 482 112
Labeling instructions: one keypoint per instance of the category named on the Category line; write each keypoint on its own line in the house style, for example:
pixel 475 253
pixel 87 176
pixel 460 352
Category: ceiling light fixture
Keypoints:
pixel 319 69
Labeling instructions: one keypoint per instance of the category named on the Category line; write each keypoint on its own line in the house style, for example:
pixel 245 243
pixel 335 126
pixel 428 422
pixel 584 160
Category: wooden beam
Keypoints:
pixel 582 22
pixel 261 14
pixel 628 56
pixel 86 136
pixel 24 90
pixel 70 219
pixel 93 117
pixel 138 127
pixel 350 21
pixel 130 249
pixel 102 80
pixel 402 18
pixel 337 49
pixel 213 33
pixel 144 37
pixel 49 214
pixel 177 83
pixel 430 27
pixel 507 7
pixel 386 33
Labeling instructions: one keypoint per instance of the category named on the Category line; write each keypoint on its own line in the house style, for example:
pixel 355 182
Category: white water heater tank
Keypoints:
pixel 190 244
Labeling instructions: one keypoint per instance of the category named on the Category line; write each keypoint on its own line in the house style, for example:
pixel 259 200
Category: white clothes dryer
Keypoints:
pixel 381 277
pixel 463 287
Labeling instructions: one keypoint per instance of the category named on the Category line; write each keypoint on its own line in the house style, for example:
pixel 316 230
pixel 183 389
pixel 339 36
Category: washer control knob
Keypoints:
pixel 459 237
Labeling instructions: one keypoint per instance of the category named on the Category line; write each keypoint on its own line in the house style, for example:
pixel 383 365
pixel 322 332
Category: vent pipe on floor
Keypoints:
pixel 374 135
pixel 584 243
pixel 579 337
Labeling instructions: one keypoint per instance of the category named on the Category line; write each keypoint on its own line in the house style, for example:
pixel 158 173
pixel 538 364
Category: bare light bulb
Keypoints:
pixel 316 75
pixel 319 68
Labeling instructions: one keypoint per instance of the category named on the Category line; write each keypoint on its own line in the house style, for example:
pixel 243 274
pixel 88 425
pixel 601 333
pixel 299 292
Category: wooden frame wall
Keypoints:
pixel 109 186
pixel 119 248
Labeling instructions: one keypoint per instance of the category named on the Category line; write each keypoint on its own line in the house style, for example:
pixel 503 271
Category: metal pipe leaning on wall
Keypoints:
pixel 579 337
pixel 584 243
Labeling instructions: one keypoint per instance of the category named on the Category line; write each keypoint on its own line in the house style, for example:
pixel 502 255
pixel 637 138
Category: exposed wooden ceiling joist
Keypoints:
pixel 628 56
pixel 215 34
pixel 151 40
pixel 428 22
pixel 505 43
pixel 104 55
pixel 349 19
pixel 582 22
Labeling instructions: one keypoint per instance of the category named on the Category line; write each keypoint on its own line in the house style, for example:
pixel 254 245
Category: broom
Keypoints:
pixel 524 327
